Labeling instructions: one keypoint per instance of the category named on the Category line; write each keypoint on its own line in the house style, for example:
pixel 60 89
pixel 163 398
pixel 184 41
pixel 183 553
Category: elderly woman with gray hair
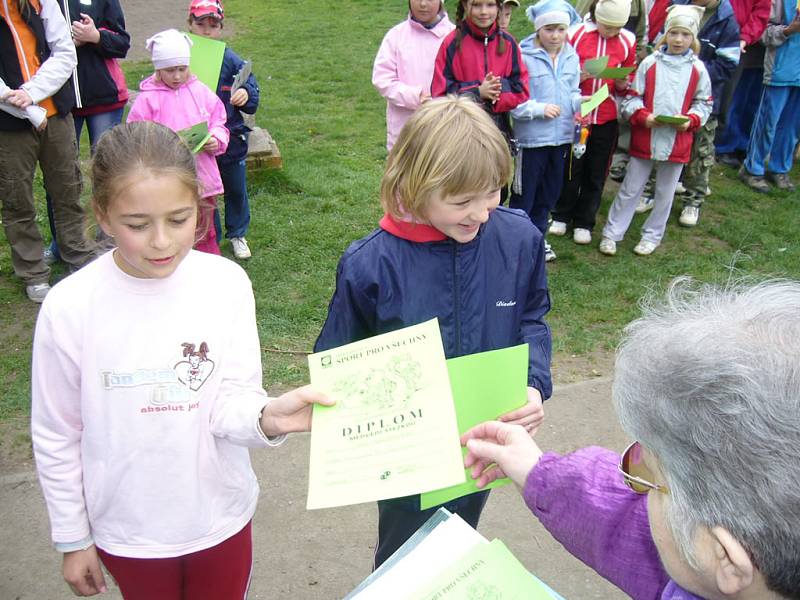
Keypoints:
pixel 708 382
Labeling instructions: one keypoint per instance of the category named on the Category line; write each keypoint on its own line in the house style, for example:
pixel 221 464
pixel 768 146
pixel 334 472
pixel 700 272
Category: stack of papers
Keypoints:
pixel 448 557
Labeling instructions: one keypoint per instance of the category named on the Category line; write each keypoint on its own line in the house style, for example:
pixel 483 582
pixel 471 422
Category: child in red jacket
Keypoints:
pixel 480 60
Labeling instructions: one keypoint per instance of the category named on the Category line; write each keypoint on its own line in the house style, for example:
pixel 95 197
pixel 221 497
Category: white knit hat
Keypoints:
pixel 169 48
pixel 686 16
pixel 614 13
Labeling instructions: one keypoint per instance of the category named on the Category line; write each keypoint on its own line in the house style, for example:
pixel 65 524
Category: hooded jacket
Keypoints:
pixel 782 58
pixel 181 108
pixel 232 63
pixel 100 82
pixel 667 84
pixel 403 69
pixel 719 48
pixel 488 293
pixel 461 67
pixel 549 84
pixel 621 52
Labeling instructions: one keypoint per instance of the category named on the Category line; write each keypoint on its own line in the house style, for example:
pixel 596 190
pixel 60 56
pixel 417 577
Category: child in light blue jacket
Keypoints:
pixel 544 126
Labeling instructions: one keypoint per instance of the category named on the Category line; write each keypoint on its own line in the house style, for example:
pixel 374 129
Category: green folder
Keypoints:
pixel 485 386
pixel 486 571
pixel 206 60
pixel 595 66
pixel 670 120
pixel 615 72
pixel 196 136
pixel 596 100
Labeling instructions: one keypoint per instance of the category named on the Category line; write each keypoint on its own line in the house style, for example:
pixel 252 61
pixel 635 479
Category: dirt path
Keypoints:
pixel 323 554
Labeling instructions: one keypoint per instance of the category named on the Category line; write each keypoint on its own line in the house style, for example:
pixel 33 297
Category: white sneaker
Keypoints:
pixel 679 189
pixel 558 228
pixel 37 292
pixel 549 253
pixel 608 247
pixel 645 203
pixel 689 216
pixel 581 236
pixel 240 248
pixel 708 191
pixel 644 248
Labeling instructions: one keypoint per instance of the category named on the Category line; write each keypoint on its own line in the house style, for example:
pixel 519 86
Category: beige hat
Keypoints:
pixel 614 13
pixel 686 16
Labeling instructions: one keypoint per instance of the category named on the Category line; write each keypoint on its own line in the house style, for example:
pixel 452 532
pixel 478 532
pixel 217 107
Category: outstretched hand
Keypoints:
pixel 496 450
pixel 82 572
pixel 291 411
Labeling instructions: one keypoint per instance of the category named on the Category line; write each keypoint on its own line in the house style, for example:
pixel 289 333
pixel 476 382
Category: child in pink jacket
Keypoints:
pixel 173 97
pixel 403 68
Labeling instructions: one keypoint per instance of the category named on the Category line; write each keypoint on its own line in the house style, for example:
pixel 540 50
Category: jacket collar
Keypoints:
pixel 437 29
pixel 413 232
pixel 468 28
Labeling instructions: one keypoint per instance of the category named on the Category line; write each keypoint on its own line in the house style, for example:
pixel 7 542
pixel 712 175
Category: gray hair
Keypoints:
pixel 709 381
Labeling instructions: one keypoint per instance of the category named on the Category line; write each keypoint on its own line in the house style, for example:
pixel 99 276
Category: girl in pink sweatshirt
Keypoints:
pixel 403 68
pixel 174 97
pixel 143 404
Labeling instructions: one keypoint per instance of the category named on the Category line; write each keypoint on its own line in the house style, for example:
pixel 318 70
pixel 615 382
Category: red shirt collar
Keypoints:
pixel 413 232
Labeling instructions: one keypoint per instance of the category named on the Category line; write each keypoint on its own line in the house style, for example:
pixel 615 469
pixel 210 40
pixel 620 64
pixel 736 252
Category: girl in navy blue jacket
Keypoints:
pixel 446 249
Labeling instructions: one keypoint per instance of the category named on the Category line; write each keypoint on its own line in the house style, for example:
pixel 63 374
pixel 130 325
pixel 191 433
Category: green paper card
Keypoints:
pixel 595 66
pixel 487 571
pixel 206 60
pixel 596 100
pixel 669 120
pixel 485 386
pixel 196 136
pixel 615 72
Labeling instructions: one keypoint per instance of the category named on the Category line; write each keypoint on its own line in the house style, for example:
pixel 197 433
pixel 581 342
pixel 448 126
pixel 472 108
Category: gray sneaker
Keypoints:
pixel 37 292
pixel 48 257
pixel 754 182
pixel 781 181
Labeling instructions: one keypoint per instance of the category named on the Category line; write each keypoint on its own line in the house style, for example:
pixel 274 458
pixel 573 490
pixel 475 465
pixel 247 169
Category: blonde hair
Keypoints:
pixel 127 150
pixel 448 147
pixel 662 41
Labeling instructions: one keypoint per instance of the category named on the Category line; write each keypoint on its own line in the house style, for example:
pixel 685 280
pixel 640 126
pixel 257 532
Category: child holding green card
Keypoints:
pixel 173 97
pixel 445 249
pixel 671 99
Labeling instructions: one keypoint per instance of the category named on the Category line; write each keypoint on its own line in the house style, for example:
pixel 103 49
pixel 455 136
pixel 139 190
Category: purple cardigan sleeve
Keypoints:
pixel 581 500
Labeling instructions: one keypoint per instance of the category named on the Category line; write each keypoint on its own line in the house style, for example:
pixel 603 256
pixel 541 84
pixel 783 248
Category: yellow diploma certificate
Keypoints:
pixel 393 429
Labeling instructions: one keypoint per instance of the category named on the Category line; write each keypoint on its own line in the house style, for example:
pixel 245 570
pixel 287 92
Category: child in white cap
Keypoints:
pixel 175 98
pixel 601 34
pixel 544 126
pixel 671 78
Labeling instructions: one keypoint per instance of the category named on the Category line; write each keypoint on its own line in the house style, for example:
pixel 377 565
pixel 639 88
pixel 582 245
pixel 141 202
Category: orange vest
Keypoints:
pixel 25 43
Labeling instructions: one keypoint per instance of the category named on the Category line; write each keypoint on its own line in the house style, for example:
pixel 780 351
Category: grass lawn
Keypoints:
pixel 314 62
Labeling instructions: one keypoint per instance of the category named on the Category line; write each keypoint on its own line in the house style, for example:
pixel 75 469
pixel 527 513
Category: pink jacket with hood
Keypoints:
pixel 184 107
pixel 404 68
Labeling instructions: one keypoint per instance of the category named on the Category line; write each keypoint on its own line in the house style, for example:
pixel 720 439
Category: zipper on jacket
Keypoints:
pixel 456 303
pixel 485 55
pixel 77 90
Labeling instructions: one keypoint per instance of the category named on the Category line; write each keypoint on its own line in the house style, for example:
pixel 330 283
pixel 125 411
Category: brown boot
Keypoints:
pixel 754 182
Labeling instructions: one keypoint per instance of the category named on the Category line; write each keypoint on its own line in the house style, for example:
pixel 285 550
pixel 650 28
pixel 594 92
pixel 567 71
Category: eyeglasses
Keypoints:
pixel 635 473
